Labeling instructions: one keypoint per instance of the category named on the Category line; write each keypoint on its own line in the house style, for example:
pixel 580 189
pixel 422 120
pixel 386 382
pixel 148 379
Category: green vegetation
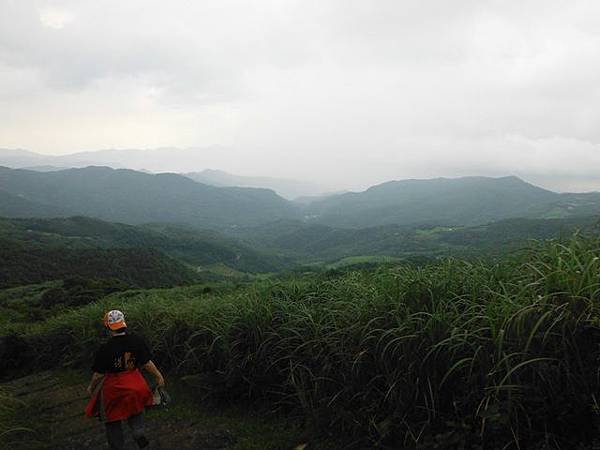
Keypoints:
pixel 448 202
pixel 353 261
pixel 10 424
pixel 135 197
pixel 311 243
pixel 454 354
pixel 39 250
pixel 138 267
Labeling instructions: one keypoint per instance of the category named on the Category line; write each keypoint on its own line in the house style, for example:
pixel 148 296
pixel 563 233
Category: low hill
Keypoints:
pixel 319 243
pixel 28 263
pixel 135 197
pixel 199 248
pixel 460 201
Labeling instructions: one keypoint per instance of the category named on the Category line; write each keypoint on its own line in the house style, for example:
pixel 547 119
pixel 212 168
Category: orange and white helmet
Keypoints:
pixel 114 320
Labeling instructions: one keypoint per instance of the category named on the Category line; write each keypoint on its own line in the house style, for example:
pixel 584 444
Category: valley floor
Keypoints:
pixel 50 416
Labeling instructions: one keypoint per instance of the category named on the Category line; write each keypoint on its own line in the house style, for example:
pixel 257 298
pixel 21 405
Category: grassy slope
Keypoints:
pixel 24 263
pixel 449 355
pixel 38 250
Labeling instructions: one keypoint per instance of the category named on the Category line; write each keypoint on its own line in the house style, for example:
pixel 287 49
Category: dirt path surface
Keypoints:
pixel 52 409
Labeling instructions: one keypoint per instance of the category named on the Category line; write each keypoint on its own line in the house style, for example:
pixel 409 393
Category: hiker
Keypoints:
pixel 118 389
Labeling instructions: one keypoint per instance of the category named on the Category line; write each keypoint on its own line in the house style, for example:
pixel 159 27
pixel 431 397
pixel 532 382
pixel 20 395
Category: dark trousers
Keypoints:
pixel 114 431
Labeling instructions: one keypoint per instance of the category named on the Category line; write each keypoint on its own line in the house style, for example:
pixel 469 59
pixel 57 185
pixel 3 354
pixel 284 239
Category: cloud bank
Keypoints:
pixel 340 91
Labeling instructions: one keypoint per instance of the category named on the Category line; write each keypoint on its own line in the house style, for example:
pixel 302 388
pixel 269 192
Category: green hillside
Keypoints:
pixel 460 201
pixel 18 206
pixel 134 197
pixel 198 248
pixel 313 243
pixel 28 263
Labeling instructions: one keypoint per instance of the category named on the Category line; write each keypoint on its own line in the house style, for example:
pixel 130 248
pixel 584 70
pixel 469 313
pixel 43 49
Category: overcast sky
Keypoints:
pixel 345 92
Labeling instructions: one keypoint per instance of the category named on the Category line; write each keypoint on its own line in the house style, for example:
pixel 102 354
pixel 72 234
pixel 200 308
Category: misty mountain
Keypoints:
pixel 23 159
pixel 166 159
pixel 158 160
pixel 18 206
pixel 44 168
pixel 134 197
pixel 290 189
pixel 460 201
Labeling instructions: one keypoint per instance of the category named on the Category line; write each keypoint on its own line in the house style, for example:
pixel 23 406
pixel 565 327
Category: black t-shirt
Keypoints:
pixel 121 353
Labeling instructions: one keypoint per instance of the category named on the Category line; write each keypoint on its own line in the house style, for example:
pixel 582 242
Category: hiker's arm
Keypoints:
pixel 150 367
pixel 96 377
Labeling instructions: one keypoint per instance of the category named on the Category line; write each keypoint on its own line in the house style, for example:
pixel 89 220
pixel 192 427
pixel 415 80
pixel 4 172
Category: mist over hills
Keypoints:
pixel 190 162
pixel 448 201
pixel 156 160
pixel 290 189
pixel 127 196
pixel 134 197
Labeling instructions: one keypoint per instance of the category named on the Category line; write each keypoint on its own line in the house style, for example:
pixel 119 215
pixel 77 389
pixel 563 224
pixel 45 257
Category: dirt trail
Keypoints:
pixel 52 409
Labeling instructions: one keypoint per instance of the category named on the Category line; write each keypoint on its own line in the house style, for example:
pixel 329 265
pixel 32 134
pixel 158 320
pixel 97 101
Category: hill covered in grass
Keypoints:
pixel 137 267
pixel 310 243
pixel 38 250
pixel 453 354
pixel 194 246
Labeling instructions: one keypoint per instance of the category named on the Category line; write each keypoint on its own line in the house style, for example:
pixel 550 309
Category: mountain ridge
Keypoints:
pixel 125 195
pixel 451 201
pixel 135 197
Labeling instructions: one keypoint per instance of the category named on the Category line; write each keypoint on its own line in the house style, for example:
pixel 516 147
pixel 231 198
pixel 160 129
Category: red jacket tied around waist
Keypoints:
pixel 121 395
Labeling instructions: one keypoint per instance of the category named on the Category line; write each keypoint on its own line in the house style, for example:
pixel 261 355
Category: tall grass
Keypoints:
pixel 9 418
pixel 453 355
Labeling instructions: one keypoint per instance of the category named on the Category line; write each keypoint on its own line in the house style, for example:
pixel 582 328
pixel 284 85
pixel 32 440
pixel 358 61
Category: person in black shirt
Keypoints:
pixel 119 391
pixel 124 352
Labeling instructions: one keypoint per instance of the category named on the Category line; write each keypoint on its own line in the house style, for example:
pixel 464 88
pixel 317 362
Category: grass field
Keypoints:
pixel 455 354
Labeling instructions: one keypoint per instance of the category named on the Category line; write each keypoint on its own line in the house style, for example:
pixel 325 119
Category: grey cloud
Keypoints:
pixel 352 91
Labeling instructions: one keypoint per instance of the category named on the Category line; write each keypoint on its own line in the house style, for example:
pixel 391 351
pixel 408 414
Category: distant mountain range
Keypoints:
pixel 290 189
pixel 156 160
pixel 186 161
pixel 446 201
pixel 135 197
